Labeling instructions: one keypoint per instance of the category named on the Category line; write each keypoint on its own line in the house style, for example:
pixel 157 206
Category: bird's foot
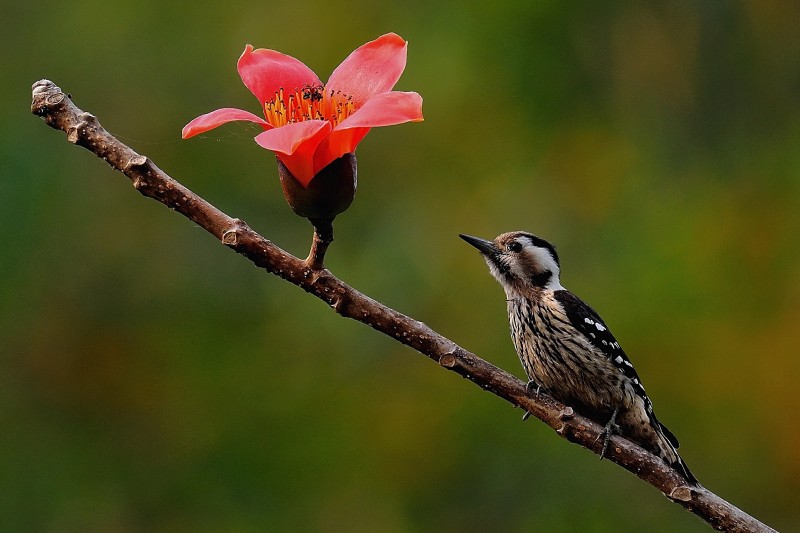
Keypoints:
pixel 609 429
pixel 533 388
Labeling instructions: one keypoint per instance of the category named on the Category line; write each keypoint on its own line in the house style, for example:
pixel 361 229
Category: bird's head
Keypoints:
pixel 520 261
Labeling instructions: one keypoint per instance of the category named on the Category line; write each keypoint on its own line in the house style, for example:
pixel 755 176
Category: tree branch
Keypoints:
pixel 83 129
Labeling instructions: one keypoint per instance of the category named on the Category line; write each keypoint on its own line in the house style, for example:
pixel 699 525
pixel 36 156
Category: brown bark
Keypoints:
pixel 83 129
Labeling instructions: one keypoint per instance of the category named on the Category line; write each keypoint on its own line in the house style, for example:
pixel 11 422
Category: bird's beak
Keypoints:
pixel 485 247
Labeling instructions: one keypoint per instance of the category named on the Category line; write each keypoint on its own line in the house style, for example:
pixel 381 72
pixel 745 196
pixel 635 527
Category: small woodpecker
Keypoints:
pixel 567 350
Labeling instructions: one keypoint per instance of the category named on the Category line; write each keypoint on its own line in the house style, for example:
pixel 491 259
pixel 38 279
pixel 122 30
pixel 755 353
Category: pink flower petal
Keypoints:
pixel 287 139
pixel 385 109
pixel 211 120
pixel 295 145
pixel 266 71
pixel 335 145
pixel 371 69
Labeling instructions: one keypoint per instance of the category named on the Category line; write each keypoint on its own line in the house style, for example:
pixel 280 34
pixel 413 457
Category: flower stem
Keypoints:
pixel 323 236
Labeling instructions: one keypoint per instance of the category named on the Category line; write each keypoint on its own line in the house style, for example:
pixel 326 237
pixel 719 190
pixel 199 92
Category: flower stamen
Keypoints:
pixel 308 103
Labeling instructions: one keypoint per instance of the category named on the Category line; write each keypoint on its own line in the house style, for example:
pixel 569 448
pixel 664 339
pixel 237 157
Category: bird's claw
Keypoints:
pixel 608 430
pixel 532 388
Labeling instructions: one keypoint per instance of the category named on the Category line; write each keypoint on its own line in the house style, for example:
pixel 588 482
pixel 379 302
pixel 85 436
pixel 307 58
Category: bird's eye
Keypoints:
pixel 515 247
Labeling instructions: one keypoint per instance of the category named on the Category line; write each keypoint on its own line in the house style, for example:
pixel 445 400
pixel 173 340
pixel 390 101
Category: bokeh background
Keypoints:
pixel 150 379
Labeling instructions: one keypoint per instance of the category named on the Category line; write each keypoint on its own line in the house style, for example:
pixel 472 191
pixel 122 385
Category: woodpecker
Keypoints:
pixel 568 351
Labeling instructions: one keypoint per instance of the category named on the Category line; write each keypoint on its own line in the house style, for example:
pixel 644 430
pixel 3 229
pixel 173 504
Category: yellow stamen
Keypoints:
pixel 308 103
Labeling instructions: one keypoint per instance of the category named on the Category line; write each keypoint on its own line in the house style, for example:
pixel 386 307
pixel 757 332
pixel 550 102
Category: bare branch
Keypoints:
pixel 58 111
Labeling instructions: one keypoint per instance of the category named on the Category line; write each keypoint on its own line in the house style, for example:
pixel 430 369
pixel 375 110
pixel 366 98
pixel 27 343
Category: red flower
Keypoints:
pixel 308 125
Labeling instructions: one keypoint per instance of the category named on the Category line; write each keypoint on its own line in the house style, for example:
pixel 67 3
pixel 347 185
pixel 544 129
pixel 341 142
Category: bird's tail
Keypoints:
pixel 668 450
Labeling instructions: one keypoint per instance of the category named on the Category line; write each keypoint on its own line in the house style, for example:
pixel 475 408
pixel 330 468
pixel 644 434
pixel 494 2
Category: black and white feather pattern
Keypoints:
pixel 588 322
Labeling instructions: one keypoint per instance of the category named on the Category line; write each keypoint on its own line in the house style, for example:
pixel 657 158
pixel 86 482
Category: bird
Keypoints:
pixel 567 350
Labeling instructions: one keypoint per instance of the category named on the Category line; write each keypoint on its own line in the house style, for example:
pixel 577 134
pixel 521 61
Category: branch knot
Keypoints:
pixel 448 360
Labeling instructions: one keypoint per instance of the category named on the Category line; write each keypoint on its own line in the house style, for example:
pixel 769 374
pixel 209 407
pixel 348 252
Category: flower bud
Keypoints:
pixel 330 191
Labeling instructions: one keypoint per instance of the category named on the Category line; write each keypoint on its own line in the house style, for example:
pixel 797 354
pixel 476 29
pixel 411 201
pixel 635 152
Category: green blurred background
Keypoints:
pixel 150 379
